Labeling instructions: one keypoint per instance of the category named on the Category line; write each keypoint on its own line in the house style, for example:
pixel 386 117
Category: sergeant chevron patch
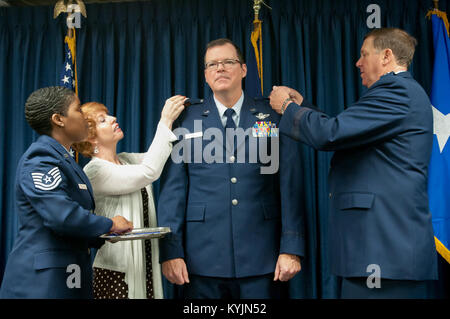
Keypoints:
pixel 48 181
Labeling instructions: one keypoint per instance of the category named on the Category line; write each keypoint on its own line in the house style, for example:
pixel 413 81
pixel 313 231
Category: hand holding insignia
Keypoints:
pixel 172 109
pixel 296 97
pixel 282 96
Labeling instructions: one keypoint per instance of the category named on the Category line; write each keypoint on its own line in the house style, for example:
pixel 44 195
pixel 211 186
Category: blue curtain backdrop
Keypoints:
pixel 133 56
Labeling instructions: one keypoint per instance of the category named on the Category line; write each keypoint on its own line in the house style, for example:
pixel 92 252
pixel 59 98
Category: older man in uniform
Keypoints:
pixel 381 237
pixel 232 237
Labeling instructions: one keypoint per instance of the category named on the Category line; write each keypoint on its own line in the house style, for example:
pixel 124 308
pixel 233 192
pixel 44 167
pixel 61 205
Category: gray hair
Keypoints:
pixel 399 41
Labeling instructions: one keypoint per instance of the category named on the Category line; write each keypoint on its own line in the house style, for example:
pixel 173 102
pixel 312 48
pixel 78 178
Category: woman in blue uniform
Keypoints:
pixel 54 201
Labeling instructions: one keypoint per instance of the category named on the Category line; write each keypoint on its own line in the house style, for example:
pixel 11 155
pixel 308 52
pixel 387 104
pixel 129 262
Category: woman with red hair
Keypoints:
pixel 122 184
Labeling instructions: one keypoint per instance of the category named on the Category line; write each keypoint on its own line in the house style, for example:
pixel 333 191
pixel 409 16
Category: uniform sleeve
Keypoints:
pixel 47 190
pixel 291 189
pixel 110 179
pixel 375 117
pixel 171 210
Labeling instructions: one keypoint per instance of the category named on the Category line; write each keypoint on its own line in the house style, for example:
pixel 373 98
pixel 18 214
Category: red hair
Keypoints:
pixel 90 110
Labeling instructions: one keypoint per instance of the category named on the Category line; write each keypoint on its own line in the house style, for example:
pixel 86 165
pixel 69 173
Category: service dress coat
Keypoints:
pixel 378 179
pixel 228 218
pixel 57 227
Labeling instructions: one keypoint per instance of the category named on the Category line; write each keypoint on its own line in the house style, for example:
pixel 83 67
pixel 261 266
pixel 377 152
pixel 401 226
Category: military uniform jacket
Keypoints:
pixel 227 218
pixel 377 179
pixel 54 201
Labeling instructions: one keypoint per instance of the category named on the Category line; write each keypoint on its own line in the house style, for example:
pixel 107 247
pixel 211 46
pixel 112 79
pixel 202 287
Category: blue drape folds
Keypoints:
pixel 133 56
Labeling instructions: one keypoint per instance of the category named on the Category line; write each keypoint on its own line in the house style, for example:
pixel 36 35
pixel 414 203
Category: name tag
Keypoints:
pixel 82 186
pixel 193 135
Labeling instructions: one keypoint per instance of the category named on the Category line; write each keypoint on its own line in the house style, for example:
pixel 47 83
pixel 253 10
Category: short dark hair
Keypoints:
pixel 399 41
pixel 43 103
pixel 223 41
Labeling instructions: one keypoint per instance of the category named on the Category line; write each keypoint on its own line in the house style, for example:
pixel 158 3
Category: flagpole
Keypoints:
pixel 256 8
pixel 436 4
pixel 70 79
pixel 71 42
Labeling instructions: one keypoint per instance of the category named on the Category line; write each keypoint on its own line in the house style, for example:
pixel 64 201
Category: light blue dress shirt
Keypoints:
pixel 236 107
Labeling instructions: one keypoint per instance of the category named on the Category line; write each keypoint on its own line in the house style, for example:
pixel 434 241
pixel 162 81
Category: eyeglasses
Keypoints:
pixel 227 64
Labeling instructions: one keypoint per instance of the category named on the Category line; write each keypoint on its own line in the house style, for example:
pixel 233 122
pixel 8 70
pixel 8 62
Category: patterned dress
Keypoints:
pixel 110 284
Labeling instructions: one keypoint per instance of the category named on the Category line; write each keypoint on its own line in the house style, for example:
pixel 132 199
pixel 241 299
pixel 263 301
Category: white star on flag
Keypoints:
pixel 441 127
pixel 68 69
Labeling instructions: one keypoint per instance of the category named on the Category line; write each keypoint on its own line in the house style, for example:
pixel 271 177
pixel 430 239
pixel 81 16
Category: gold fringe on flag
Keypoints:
pixel 255 37
pixel 442 250
pixel 442 15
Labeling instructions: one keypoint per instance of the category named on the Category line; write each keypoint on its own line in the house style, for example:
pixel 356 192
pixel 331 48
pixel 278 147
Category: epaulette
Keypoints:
pixel 193 101
pixel 261 99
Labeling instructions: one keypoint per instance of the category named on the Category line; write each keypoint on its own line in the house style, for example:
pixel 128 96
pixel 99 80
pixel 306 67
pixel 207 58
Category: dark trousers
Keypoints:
pixel 356 288
pixel 257 287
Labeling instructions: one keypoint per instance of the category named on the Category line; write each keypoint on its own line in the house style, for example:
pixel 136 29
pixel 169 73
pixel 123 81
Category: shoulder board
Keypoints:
pixel 261 99
pixel 193 101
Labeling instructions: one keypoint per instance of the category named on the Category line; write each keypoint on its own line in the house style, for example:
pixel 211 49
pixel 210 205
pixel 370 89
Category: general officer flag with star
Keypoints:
pixel 439 169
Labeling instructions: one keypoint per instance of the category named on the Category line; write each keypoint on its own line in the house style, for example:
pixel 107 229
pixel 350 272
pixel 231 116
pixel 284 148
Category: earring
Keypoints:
pixel 96 149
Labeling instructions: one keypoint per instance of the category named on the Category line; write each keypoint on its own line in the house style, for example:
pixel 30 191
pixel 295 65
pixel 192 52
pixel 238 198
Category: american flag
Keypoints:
pixel 67 78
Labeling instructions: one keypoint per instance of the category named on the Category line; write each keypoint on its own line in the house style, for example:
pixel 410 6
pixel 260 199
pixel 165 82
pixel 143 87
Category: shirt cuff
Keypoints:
pixel 166 132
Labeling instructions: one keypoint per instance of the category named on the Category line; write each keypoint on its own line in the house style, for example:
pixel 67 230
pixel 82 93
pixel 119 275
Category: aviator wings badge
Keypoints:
pixel 261 116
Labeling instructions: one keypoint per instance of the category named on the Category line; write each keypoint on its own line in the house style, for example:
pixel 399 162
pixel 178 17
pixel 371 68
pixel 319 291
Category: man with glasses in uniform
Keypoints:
pixel 231 236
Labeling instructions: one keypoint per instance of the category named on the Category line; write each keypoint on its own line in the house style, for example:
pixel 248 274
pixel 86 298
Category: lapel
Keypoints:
pixel 210 115
pixel 81 174
pixel 211 119
pixel 69 160
pixel 247 117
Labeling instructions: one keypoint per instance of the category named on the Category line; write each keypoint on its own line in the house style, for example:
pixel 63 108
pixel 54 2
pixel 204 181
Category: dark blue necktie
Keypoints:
pixel 230 123
pixel 231 138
